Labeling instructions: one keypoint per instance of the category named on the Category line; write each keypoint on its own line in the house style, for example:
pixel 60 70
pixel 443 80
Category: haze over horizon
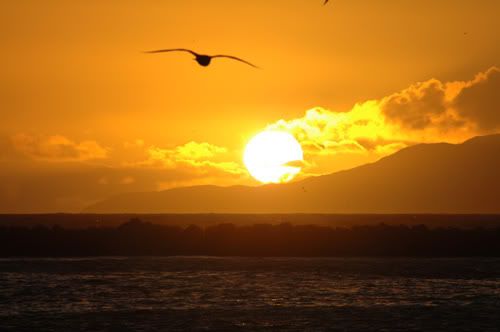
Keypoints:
pixel 86 115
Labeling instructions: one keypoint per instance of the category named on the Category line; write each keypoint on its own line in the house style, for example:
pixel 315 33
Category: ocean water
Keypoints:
pixel 252 294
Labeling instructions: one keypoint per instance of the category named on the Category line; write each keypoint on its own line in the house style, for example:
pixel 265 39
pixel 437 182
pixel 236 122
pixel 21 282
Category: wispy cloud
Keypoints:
pixel 201 157
pixel 57 148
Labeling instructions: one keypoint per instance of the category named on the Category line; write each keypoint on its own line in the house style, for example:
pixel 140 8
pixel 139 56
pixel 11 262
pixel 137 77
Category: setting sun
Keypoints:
pixel 272 156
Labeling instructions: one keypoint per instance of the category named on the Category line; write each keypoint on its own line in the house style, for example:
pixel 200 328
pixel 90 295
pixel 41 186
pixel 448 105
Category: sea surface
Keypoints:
pixel 252 294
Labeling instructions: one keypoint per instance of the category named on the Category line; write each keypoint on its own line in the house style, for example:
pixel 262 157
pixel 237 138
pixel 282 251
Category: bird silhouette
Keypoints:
pixel 203 59
pixel 326 1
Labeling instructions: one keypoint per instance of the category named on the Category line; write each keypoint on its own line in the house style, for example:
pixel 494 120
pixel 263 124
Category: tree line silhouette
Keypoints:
pixel 84 220
pixel 138 238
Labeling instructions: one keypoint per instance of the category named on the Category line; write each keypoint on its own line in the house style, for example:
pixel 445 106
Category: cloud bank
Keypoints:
pixel 430 111
pixel 58 173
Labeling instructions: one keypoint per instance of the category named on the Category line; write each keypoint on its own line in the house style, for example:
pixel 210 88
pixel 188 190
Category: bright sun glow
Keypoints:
pixel 273 157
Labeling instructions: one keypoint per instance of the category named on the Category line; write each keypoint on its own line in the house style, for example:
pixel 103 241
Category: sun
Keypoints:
pixel 273 157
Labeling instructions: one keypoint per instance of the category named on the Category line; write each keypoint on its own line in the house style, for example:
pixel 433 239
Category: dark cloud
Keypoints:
pixel 480 102
pixel 416 107
pixel 446 106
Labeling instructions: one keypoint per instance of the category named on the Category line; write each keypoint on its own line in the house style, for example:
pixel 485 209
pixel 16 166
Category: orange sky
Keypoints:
pixel 85 114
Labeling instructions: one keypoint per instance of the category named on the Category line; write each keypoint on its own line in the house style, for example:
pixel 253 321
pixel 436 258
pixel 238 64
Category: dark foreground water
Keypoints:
pixel 226 294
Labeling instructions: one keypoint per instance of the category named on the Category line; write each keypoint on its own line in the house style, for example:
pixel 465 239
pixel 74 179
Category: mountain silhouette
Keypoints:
pixel 424 178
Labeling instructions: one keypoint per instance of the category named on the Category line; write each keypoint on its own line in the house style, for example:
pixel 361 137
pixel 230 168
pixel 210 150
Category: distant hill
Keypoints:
pixel 425 178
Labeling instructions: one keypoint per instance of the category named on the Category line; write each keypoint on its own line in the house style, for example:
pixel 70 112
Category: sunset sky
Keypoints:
pixel 85 114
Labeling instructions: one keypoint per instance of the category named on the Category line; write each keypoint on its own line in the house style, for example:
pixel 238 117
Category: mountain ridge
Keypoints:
pixel 424 178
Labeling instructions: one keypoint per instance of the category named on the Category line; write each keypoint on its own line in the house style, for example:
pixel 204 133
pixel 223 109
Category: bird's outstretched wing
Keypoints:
pixel 173 50
pixel 326 1
pixel 234 58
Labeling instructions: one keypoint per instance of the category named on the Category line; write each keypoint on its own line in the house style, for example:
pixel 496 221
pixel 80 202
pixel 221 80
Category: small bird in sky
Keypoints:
pixel 326 1
pixel 203 59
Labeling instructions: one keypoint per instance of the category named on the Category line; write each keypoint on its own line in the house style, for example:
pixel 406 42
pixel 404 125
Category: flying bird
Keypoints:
pixel 203 59
pixel 326 1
